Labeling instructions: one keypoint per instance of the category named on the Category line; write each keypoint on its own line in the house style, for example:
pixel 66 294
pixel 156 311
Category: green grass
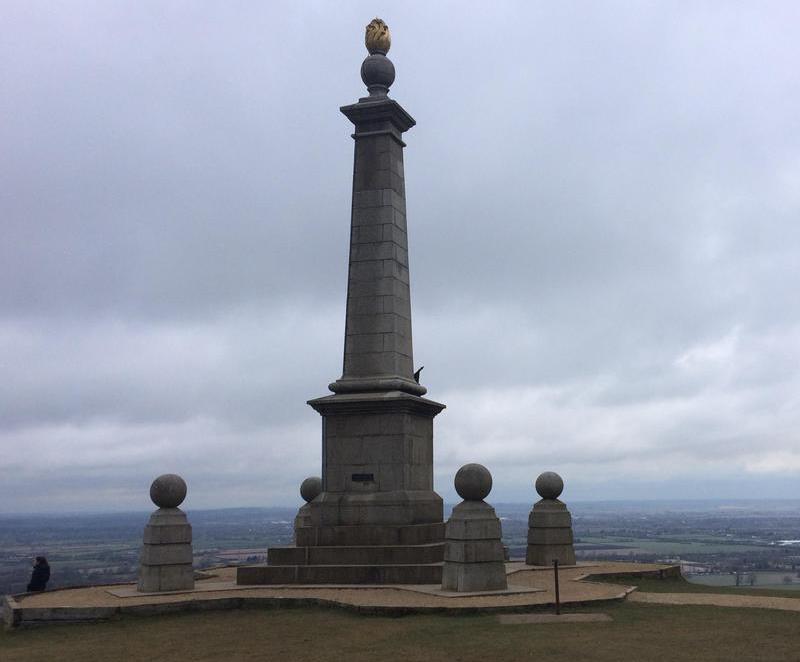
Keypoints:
pixel 638 632
pixel 763 579
pixel 680 585
pixel 704 545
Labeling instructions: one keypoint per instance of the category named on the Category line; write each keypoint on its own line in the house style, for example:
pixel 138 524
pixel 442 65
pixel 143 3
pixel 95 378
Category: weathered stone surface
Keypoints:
pixel 166 556
pixel 168 491
pixel 549 485
pixel 377 460
pixel 167 517
pixel 377 430
pixel 382 535
pixel 549 518
pixel 310 488
pixel 473 520
pixel 546 554
pixel 378 353
pixel 473 577
pixel 473 551
pixel 357 555
pixel 340 574
pixel 550 534
pixel 473 482
pixel 167 535
pixel 154 579
pixel 474 557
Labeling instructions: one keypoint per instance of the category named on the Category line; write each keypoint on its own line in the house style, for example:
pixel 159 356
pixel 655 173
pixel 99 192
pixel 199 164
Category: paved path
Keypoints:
pixel 572 591
pixel 750 601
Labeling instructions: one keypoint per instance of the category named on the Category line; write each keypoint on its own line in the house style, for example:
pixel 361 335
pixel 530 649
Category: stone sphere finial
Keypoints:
pixel 549 485
pixel 377 38
pixel 310 488
pixel 473 482
pixel 168 491
pixel 377 72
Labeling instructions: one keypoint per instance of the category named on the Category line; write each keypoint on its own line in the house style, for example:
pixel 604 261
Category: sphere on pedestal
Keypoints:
pixel 473 482
pixel 168 491
pixel 310 488
pixel 377 71
pixel 549 485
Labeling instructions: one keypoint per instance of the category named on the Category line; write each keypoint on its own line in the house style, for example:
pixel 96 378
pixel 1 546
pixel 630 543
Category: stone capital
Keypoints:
pixel 369 112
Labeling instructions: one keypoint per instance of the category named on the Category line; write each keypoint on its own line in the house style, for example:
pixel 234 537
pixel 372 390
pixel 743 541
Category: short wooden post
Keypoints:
pixel 558 596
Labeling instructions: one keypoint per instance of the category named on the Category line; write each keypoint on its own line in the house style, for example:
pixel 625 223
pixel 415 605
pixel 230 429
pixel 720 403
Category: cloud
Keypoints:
pixel 603 243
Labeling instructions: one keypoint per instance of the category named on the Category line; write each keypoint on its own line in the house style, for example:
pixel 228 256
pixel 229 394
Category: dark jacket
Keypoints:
pixel 39 577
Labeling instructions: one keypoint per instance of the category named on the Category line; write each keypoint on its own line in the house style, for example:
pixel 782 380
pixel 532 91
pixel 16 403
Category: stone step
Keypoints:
pixel 357 555
pixel 339 574
pixel 370 535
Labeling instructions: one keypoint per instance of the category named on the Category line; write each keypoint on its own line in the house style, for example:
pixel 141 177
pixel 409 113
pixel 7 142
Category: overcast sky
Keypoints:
pixel 604 232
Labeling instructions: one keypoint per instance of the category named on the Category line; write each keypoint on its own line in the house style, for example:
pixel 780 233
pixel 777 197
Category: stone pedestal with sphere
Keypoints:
pixel 310 489
pixel 474 558
pixel 166 558
pixel 550 525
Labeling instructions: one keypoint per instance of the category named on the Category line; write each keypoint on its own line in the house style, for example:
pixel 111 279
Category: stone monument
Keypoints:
pixel 550 525
pixel 377 519
pixel 310 489
pixel 166 559
pixel 474 559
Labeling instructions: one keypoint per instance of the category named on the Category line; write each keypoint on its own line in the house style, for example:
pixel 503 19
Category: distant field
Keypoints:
pixel 771 579
pixel 104 548
pixel 637 632
pixel 680 585
pixel 670 547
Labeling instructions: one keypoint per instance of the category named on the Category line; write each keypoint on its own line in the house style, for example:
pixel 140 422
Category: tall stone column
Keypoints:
pixel 377 519
pixel 377 430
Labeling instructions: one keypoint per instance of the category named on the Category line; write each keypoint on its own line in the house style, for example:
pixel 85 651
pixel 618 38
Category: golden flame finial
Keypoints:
pixel 377 38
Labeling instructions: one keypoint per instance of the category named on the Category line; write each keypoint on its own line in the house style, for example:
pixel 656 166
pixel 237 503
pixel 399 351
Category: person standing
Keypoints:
pixel 40 574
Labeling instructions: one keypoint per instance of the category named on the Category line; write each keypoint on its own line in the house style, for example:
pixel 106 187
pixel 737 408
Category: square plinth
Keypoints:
pixel 377 460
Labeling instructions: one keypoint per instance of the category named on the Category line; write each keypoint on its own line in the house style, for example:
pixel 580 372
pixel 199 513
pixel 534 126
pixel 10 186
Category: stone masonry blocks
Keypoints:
pixel 153 579
pixel 378 264
pixel 550 534
pixel 473 557
pixel 377 461
pixel 465 577
pixel 377 449
pixel 166 557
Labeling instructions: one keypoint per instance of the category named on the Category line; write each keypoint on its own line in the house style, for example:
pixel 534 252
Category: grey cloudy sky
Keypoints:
pixel 604 219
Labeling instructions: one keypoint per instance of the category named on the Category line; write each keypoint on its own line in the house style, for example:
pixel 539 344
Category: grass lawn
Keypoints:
pixel 680 585
pixel 638 632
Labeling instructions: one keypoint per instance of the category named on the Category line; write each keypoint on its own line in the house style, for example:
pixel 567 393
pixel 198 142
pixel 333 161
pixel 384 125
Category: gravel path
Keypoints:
pixel 572 590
